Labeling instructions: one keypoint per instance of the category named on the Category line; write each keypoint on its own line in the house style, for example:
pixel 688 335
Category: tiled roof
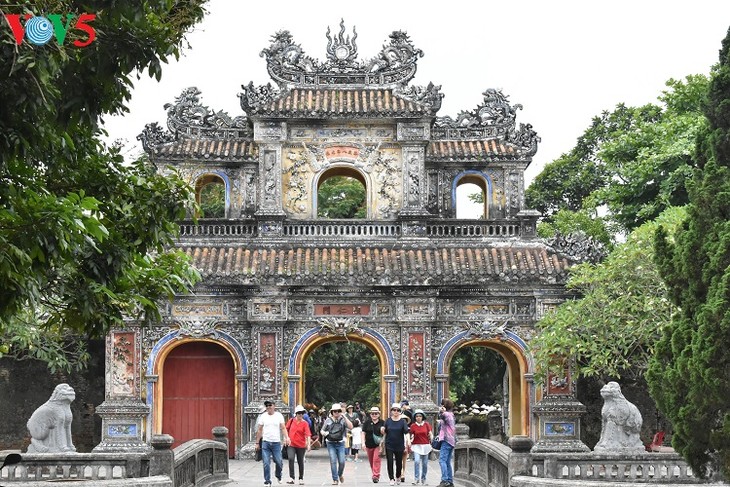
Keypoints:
pixel 215 149
pixel 378 265
pixel 469 149
pixel 314 103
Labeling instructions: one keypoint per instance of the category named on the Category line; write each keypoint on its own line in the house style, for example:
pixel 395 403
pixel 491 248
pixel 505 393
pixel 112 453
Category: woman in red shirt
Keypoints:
pixel 421 435
pixel 300 437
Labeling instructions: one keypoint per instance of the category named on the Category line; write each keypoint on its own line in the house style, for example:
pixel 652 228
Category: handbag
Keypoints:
pixel 377 439
pixel 285 452
pixel 257 456
pixel 436 443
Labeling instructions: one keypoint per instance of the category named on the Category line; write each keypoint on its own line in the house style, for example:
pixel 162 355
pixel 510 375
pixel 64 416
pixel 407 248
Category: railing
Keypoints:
pixel 76 466
pixel 638 467
pixel 200 463
pixel 473 228
pixel 479 463
pixel 450 228
pixel 216 228
pixel 339 228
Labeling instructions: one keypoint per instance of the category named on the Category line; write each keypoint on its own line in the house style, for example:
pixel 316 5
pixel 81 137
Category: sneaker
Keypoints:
pixel 267 484
pixel 376 480
pixel 290 481
pixel 392 482
pixel 415 482
pixel 342 479
pixel 334 482
pixel 278 481
pixel 301 481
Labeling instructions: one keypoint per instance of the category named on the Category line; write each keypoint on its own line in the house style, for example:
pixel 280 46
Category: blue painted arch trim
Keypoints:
pixel 470 172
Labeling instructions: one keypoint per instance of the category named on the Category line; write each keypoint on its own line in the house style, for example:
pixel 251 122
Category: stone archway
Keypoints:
pixel 519 367
pixel 314 338
pixel 156 369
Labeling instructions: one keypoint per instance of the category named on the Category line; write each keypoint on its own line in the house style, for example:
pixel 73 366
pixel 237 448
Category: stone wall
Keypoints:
pixel 25 385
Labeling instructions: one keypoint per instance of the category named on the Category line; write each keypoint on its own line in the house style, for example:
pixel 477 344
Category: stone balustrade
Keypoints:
pixel 443 228
pixel 76 466
pixel 200 463
pixel 481 462
pixel 196 463
pixel 619 467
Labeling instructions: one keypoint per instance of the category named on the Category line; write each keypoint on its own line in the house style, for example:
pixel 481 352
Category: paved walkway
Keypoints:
pixel 248 473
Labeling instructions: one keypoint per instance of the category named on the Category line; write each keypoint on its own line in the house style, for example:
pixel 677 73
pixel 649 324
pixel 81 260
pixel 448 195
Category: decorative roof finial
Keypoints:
pixel 342 51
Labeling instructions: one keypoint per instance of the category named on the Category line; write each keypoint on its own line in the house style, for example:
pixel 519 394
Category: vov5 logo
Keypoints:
pixel 39 30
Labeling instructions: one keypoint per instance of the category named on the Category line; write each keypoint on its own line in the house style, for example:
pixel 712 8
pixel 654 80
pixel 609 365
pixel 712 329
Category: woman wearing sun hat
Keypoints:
pixel 372 437
pixel 335 430
pixel 395 430
pixel 299 442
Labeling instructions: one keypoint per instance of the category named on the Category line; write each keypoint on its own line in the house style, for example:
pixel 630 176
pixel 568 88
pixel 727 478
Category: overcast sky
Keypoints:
pixel 564 61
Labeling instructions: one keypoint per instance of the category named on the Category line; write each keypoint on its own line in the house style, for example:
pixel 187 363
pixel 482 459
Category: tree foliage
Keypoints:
pixel 342 371
pixel 82 234
pixel 475 374
pixel 688 376
pixel 213 200
pixel 631 163
pixel 612 329
pixel 341 197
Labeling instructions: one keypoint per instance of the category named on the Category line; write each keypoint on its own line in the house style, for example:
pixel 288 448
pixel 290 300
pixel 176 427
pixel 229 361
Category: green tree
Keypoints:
pixel 633 162
pixel 83 234
pixel 342 371
pixel 612 329
pixel 341 197
pixel 213 201
pixel 688 376
pixel 475 374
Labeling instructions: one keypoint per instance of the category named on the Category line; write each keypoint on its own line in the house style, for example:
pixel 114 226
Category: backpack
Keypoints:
pixel 336 431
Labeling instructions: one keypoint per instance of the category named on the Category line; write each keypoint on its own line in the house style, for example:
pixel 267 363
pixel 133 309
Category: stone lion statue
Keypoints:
pixel 621 421
pixel 50 424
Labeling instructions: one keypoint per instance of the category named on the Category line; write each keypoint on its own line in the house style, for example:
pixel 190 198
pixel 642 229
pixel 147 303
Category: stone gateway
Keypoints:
pixel 409 280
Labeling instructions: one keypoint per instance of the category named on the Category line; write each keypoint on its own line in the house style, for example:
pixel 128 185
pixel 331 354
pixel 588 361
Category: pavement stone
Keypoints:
pixel 249 473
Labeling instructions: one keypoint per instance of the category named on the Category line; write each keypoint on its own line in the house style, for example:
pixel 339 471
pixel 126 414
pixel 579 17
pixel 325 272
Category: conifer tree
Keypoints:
pixel 689 376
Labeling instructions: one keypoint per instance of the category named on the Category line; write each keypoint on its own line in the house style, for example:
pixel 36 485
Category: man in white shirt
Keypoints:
pixel 271 429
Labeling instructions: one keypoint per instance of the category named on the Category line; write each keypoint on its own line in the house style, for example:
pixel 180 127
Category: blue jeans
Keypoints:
pixel 336 452
pixel 269 449
pixel 420 466
pixel 447 472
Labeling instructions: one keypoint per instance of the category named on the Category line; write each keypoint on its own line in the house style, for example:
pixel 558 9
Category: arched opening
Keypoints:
pixel 515 389
pixel 472 196
pixel 478 385
pixel 210 194
pixel 342 193
pixel 198 392
pixel 358 374
pixel 367 345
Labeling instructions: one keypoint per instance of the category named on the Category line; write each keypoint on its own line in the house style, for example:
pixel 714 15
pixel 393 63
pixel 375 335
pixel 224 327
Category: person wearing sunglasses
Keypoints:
pixel 300 438
pixel 395 431
pixel 335 430
pixel 271 429
pixel 372 439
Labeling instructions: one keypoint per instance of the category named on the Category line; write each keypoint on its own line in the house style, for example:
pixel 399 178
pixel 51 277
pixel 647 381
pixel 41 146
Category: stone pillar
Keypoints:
pixel 270 213
pixel 520 460
pixel 162 458
pixel 122 412
pixel 220 433
pixel 559 415
pixel 414 138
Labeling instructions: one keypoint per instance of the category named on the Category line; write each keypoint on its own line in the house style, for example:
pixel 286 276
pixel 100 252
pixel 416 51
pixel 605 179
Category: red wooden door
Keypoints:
pixel 198 393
